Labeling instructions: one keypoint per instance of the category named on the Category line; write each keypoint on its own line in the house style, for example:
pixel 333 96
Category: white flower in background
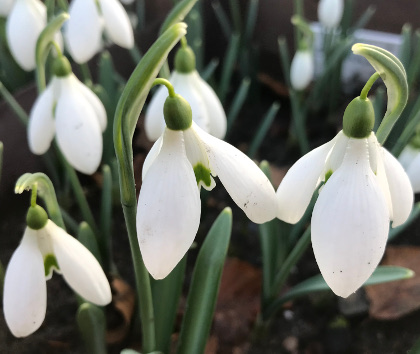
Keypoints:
pixel 302 69
pixel 40 252
pixel 169 208
pixel 74 114
pixel 365 187
pixel 24 24
pixel 330 12
pixel 5 7
pixel 410 160
pixel 88 19
pixel 207 110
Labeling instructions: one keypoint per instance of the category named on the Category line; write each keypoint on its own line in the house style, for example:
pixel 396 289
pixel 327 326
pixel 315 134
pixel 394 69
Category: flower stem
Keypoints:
pixel 13 104
pixel 368 86
pixel 168 85
pixel 34 194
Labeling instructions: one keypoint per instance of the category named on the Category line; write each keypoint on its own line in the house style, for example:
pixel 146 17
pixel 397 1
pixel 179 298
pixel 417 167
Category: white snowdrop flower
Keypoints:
pixel 207 110
pixel 330 12
pixel 5 7
pixel 365 188
pixel 70 111
pixel 168 212
pixel 88 19
pixel 410 160
pixel 302 69
pixel 46 247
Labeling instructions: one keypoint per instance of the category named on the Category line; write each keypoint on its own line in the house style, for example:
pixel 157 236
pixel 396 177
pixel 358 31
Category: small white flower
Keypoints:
pixel 88 19
pixel 410 160
pixel 365 188
pixel 41 251
pixel 206 107
pixel 330 12
pixel 72 112
pixel 302 69
pixel 168 212
pixel 6 7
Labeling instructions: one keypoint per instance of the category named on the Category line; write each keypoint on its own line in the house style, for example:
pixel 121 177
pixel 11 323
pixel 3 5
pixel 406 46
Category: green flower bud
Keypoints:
pixel 61 67
pixel 359 118
pixel 36 218
pixel 177 113
pixel 185 60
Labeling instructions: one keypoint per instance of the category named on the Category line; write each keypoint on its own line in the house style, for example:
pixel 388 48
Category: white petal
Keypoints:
pixel 77 128
pixel 299 183
pixel 6 7
pixel 83 30
pixel 154 122
pixel 24 24
pixel 407 156
pixel 402 195
pixel 350 223
pixel 168 212
pixel 215 111
pixel 248 186
pixel 25 291
pixel 41 126
pixel 335 158
pixel 94 101
pixel 413 173
pixel 79 267
pixel 151 156
pixel 117 24
pixel 330 12
pixel 302 69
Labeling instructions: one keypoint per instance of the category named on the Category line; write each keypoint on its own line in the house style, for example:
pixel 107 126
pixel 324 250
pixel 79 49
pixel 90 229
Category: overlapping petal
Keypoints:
pixel 302 69
pixel 151 156
pixel 154 122
pixel 25 294
pixel 168 212
pixel 330 12
pixel 350 223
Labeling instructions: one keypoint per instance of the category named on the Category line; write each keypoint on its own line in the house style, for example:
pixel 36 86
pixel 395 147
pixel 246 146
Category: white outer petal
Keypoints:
pixel 302 69
pixel 350 223
pixel 335 158
pixel 117 23
pixel 151 156
pixel 168 211
pixel 154 122
pixel 41 126
pixel 25 290
pixel 402 195
pixel 83 30
pixel 407 156
pixel 330 12
pixel 24 24
pixel 79 267
pixel 6 7
pixel 215 111
pixel 77 129
pixel 298 185
pixel 248 186
pixel 413 173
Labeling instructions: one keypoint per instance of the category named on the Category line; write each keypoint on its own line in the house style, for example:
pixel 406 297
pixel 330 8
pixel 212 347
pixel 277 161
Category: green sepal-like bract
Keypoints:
pixel 359 118
pixel 185 60
pixel 61 67
pixel 394 76
pixel 177 113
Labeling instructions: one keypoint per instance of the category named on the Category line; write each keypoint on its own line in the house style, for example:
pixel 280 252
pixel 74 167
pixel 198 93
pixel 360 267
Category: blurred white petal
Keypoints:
pixel 6 7
pixel 154 122
pixel 302 69
pixel 350 223
pixel 25 293
pixel 408 155
pixel 330 12
pixel 413 173
pixel 168 212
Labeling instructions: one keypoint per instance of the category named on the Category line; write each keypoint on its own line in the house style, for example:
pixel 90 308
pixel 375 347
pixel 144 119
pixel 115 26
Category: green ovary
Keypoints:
pixel 50 262
pixel 328 175
pixel 202 173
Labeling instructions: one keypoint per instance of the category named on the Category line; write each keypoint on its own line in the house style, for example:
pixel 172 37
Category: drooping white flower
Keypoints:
pixel 302 69
pixel 365 187
pixel 207 110
pixel 75 115
pixel 6 7
pixel 168 212
pixel 88 19
pixel 410 160
pixel 330 12
pixel 39 253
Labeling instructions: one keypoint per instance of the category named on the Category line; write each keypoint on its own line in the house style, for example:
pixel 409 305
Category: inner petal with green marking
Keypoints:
pixel 50 264
pixel 202 175
pixel 328 174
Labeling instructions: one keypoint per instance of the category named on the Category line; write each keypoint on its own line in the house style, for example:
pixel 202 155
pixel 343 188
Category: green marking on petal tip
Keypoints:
pixel 328 175
pixel 50 263
pixel 202 173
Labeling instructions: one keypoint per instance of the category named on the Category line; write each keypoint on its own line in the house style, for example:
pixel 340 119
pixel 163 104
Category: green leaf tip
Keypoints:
pixel 227 211
pixel 177 14
pixel 394 76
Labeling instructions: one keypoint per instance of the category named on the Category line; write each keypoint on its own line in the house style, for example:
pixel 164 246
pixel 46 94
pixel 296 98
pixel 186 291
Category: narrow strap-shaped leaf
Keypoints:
pixel 205 286
pixel 45 190
pixel 394 76
pixel 105 240
pixel 87 238
pixel 91 322
pixel 177 14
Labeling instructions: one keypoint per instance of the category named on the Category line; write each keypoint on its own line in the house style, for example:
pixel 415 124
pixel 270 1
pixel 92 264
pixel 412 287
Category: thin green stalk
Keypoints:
pixel 69 221
pixel 409 130
pixel 222 18
pixel 229 63
pixel 236 14
pixel 13 104
pixel 298 116
pixel 237 103
pixel 209 69
pixel 405 51
pixel 86 75
pixel 368 85
pixel 251 19
pixel 106 218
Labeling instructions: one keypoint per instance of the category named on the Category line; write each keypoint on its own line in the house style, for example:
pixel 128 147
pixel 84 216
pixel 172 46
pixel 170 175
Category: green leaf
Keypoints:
pixel 43 46
pixel 91 322
pixel 87 238
pixel 394 76
pixel 177 14
pixel 205 286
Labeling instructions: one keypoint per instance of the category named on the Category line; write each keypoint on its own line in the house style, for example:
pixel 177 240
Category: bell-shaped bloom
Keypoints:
pixel 302 69
pixel 168 212
pixel 365 188
pixel 39 253
pixel 88 19
pixel 75 115
pixel 410 160
pixel 6 7
pixel 330 12
pixel 207 110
